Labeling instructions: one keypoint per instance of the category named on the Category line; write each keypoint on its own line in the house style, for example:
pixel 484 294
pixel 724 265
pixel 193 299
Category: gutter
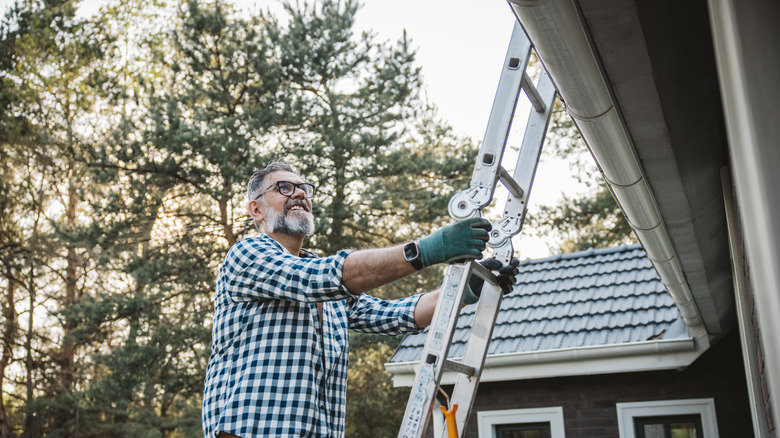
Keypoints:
pixel 555 30
pixel 654 355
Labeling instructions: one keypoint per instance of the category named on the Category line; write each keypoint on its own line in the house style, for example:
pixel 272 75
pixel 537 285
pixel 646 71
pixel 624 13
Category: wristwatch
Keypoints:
pixel 412 255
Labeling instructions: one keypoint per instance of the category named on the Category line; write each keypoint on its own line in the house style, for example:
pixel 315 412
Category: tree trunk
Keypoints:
pixel 68 346
pixel 335 238
pixel 9 339
pixel 30 424
pixel 29 417
pixel 227 226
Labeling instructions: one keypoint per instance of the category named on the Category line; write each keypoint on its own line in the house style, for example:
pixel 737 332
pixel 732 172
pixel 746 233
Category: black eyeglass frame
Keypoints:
pixel 301 186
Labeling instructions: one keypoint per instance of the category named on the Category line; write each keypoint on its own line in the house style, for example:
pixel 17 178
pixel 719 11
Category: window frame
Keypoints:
pixel 486 420
pixel 667 421
pixel 703 407
pixel 499 429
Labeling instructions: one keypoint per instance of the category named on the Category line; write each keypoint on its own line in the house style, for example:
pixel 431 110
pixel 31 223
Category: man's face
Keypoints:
pixel 285 214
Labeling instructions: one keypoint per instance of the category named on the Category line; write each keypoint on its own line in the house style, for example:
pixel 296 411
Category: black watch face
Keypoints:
pixel 410 251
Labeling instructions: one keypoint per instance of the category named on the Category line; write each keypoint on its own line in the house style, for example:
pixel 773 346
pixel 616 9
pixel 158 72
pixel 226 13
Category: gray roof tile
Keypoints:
pixel 588 298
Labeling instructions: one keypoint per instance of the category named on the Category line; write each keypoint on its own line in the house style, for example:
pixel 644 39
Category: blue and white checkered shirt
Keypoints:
pixel 272 372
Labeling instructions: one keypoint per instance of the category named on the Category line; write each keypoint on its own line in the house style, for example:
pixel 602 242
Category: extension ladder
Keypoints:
pixel 487 172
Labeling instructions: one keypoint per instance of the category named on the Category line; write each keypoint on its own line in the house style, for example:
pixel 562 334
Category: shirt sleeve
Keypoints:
pixel 259 269
pixel 373 315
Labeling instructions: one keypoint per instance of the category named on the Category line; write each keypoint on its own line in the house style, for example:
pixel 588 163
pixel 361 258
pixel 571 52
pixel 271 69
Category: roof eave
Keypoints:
pixel 663 354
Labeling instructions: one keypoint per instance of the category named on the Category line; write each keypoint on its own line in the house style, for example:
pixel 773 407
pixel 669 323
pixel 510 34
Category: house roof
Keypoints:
pixel 595 311
pixel 588 298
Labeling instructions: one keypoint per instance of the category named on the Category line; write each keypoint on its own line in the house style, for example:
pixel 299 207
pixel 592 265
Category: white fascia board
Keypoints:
pixel 602 359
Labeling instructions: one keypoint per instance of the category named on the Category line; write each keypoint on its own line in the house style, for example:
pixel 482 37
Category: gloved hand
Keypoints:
pixel 462 240
pixel 506 278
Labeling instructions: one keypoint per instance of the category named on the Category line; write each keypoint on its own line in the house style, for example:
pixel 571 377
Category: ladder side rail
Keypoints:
pixel 516 207
pixel 465 390
pixel 483 181
pixel 487 172
pixel 434 354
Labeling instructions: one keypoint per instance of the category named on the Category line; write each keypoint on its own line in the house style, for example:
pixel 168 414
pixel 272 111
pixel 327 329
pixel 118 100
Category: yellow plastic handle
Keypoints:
pixel 452 425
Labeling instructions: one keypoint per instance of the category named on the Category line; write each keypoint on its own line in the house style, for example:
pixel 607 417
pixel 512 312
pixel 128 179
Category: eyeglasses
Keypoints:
pixel 287 188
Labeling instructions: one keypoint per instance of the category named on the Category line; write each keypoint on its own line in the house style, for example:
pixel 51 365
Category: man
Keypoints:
pixel 278 365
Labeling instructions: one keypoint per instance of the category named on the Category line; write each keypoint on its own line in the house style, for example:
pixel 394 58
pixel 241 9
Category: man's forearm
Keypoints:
pixel 371 268
pixel 368 269
pixel 423 312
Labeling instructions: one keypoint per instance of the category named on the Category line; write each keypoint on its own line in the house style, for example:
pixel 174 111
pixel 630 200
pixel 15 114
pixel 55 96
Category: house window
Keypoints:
pixel 527 430
pixel 673 426
pixel 693 418
pixel 521 423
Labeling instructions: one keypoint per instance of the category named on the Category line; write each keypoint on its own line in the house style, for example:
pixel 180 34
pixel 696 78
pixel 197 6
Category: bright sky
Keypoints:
pixel 461 46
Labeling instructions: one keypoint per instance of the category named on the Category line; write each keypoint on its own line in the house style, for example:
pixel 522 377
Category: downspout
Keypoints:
pixel 555 30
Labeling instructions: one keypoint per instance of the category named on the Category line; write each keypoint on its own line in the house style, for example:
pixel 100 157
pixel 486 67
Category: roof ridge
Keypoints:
pixel 583 331
pixel 582 254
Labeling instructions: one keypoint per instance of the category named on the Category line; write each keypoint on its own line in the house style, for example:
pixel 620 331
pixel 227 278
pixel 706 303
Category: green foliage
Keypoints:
pixel 52 86
pixel 344 106
pixel 356 128
pixel 127 139
pixel 591 221
pixel 374 407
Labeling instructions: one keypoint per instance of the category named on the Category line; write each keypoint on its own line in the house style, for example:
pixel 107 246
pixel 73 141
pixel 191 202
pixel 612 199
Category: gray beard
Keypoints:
pixel 301 224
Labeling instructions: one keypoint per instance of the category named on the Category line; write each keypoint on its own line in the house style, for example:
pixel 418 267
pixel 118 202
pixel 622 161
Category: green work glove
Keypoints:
pixel 462 240
pixel 506 279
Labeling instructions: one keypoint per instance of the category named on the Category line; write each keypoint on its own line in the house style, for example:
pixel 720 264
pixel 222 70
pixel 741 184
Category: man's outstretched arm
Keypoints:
pixel 368 269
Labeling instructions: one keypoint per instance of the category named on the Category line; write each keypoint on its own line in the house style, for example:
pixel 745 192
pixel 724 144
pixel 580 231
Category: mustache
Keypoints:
pixel 297 203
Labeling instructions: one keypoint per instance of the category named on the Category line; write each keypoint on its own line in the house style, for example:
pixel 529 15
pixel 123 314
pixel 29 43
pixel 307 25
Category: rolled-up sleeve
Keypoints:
pixel 373 315
pixel 260 269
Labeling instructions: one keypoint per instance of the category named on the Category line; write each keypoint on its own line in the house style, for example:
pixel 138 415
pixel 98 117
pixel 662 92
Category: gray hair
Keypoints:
pixel 256 181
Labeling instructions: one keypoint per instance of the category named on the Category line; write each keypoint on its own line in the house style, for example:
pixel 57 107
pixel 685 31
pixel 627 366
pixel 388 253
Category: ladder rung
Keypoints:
pixel 510 183
pixel 532 93
pixel 459 368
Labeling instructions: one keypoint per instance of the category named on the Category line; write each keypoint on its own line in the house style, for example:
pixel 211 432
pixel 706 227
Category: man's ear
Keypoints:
pixel 256 211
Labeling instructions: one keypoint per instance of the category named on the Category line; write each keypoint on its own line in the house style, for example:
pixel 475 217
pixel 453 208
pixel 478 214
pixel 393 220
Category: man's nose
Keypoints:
pixel 298 193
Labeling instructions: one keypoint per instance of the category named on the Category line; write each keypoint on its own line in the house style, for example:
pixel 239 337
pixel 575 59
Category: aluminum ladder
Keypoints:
pixel 487 173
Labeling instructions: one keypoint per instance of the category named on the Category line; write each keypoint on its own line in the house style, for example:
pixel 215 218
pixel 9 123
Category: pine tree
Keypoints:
pixel 127 140
pixel 385 167
pixel 51 60
pixel 179 163
pixel 11 234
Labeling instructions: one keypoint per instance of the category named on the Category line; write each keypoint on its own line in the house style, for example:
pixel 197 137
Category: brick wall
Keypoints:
pixel 589 401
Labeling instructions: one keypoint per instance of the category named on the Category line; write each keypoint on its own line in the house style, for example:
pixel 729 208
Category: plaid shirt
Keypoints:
pixel 272 372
